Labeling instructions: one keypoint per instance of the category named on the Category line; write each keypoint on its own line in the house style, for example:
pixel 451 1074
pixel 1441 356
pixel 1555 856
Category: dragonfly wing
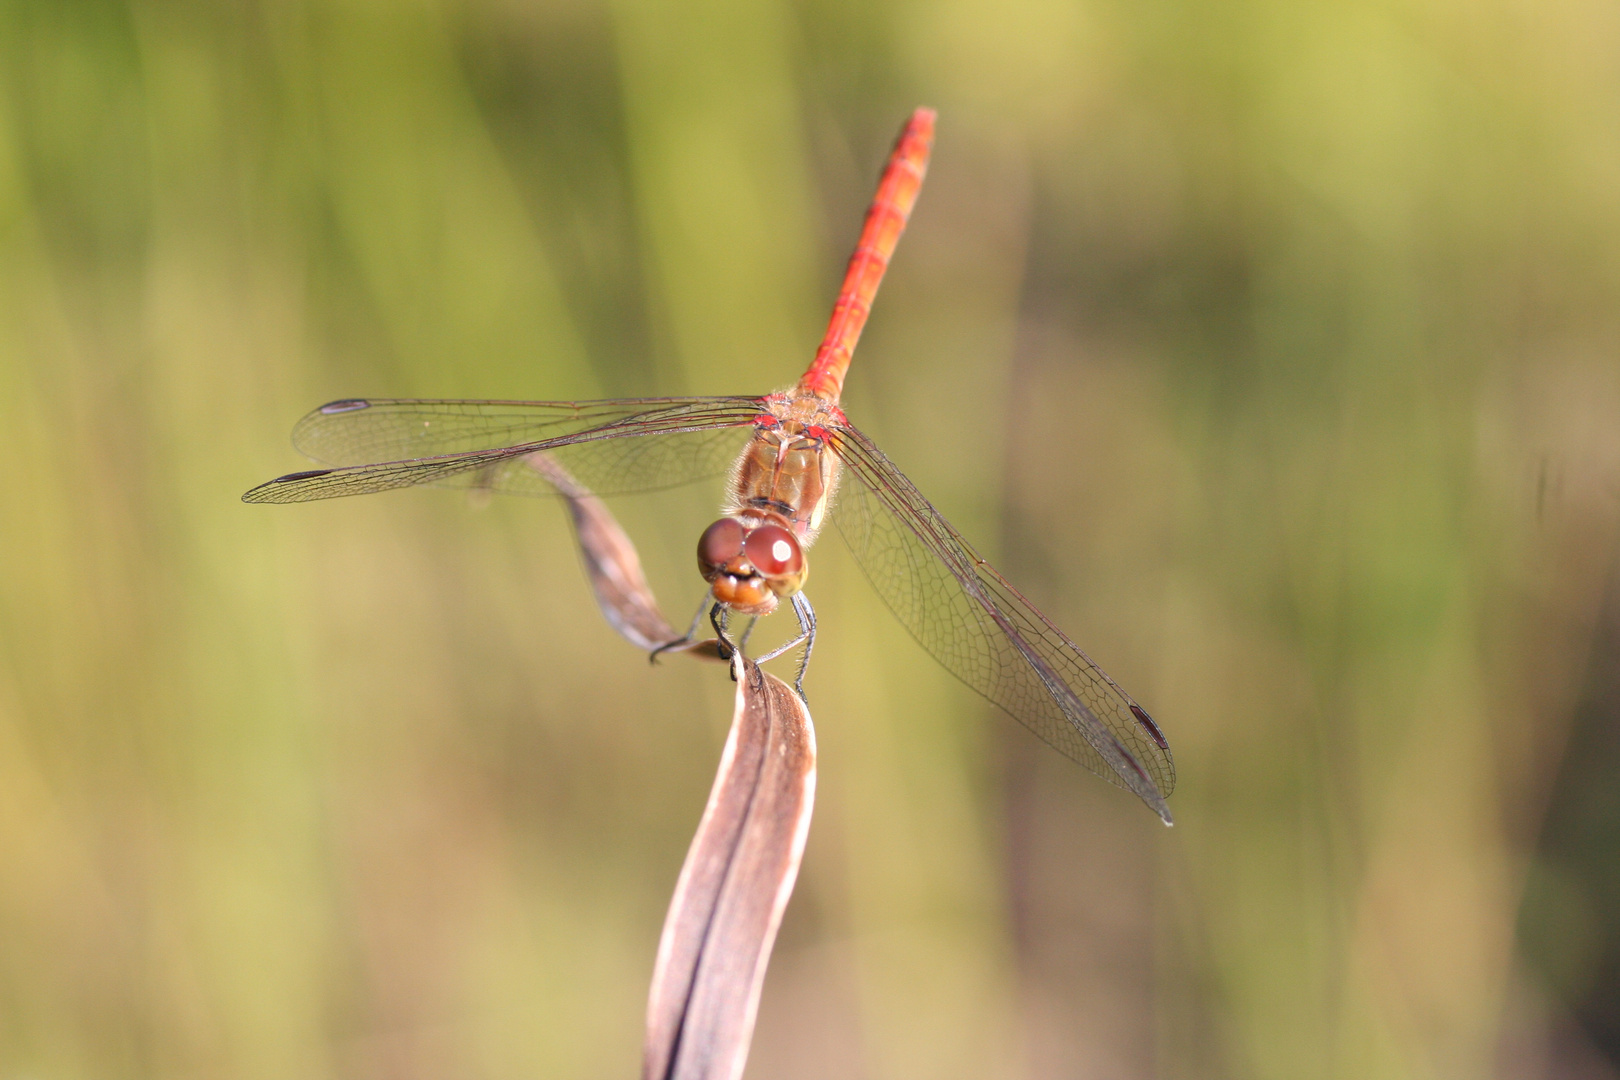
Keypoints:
pixel 611 447
pixel 960 609
pixel 361 431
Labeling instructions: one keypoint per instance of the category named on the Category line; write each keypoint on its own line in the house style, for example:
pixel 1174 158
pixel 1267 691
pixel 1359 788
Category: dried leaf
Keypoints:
pixel 733 888
pixel 611 563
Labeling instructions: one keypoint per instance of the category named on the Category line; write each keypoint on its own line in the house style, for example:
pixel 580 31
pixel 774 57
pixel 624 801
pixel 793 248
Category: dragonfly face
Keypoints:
pixel 750 561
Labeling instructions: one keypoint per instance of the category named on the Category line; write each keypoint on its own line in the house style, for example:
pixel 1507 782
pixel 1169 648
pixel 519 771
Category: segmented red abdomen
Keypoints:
pixel 885 221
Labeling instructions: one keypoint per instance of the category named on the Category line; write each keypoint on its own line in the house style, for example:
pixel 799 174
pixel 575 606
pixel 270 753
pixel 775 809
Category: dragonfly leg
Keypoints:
pixel 718 616
pixel 686 638
pixel 807 634
pixel 807 622
pixel 748 631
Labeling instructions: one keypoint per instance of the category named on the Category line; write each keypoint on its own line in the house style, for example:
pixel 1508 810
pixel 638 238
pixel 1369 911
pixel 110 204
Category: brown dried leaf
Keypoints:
pixel 733 888
pixel 614 568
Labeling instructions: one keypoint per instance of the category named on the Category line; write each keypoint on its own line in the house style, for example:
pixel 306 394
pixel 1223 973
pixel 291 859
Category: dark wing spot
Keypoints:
pixel 301 475
pixel 346 405
pixel 1147 722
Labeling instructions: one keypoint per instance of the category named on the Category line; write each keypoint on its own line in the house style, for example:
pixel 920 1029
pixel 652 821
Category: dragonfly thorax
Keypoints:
pixel 750 561
pixel 789 467
pixel 780 490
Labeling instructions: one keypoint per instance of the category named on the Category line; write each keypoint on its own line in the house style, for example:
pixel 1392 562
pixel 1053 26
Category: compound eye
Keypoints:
pixel 720 543
pixel 773 551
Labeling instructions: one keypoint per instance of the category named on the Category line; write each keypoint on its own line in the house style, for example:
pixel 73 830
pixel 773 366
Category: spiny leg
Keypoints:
pixel 807 634
pixel 686 638
pixel 718 616
pixel 807 621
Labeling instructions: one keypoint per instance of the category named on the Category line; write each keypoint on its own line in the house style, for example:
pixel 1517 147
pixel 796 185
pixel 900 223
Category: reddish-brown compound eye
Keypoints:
pixel 719 544
pixel 773 551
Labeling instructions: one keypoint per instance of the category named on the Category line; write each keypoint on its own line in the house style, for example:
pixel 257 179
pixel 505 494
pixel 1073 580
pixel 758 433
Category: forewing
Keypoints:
pixel 612 447
pixel 960 609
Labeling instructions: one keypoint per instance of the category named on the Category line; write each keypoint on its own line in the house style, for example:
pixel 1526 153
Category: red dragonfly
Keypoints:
pixel 802 462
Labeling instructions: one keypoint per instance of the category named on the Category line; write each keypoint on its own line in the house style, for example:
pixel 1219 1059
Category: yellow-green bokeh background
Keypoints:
pixel 1270 344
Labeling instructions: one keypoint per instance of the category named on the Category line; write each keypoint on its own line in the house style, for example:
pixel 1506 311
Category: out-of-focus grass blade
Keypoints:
pixel 611 562
pixel 734 887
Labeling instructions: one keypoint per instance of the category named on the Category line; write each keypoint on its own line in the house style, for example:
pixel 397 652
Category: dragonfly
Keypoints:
pixel 801 464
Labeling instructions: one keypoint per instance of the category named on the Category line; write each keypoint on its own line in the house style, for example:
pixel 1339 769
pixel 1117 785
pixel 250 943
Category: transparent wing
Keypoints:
pixel 984 632
pixel 611 447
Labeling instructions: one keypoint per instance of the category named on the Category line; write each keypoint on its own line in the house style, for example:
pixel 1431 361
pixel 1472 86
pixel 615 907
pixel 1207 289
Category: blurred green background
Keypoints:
pixel 1270 345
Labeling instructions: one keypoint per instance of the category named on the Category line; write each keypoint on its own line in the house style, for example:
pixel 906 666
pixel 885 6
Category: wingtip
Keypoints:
pixel 261 494
pixel 1156 803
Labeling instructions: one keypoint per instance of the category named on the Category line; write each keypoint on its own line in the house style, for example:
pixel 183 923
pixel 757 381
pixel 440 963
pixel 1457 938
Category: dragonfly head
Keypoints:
pixel 750 564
